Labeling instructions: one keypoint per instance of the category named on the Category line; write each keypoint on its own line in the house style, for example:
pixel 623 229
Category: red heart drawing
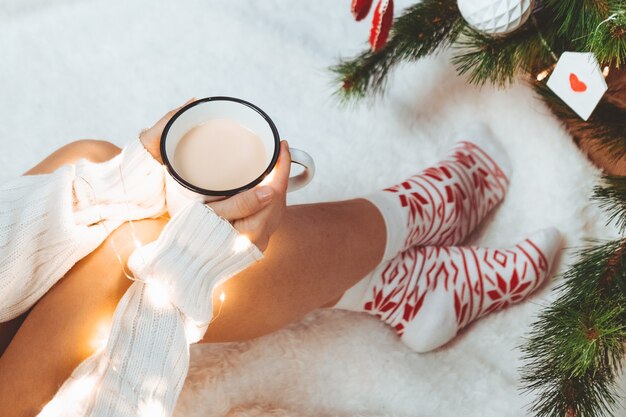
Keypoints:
pixel 577 85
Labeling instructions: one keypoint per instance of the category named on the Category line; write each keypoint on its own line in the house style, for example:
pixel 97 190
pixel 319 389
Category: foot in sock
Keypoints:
pixel 427 294
pixel 443 204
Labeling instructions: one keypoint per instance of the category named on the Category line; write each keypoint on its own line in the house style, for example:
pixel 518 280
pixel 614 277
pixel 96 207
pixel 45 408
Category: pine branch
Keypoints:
pixel 597 26
pixel 573 359
pixel 576 19
pixel 611 196
pixel 575 349
pixel 419 31
pixel 499 59
pixel 575 373
pixel 608 40
pixel 606 126
pixel 599 273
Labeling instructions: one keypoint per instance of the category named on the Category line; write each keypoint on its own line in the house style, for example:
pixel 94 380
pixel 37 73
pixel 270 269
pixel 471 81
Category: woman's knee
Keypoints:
pixel 248 310
pixel 91 149
pixel 94 150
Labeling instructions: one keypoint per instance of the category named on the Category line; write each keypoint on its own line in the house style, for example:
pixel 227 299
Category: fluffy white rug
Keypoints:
pixel 105 69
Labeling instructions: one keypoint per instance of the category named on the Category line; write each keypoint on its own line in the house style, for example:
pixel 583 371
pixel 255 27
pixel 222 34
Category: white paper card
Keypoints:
pixel 578 81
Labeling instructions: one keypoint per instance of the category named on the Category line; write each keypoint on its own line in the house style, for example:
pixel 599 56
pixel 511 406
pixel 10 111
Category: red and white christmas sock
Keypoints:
pixel 427 294
pixel 444 203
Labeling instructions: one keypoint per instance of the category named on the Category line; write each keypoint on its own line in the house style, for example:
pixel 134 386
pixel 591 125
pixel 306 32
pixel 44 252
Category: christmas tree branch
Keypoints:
pixel 612 198
pixel 576 19
pixel 597 26
pixel 499 59
pixel 574 351
pixel 608 40
pixel 606 126
pixel 419 31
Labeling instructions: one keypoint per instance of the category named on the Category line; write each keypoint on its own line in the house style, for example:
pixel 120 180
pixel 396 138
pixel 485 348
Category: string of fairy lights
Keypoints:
pixel 80 388
pixel 543 74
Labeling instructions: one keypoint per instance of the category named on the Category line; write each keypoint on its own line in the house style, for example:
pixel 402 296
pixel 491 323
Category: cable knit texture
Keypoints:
pixel 49 222
pixel 195 243
pixel 141 370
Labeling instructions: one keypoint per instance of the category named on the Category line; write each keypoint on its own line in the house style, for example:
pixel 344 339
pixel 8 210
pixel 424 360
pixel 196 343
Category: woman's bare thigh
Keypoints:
pixel 69 323
pixel 8 330
pixel 91 149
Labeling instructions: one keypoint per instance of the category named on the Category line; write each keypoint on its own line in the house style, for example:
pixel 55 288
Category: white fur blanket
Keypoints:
pixel 105 69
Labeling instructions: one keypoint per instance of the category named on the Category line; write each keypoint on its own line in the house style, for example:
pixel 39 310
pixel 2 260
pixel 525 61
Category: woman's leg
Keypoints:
pixel 94 150
pixel 319 251
pixel 8 330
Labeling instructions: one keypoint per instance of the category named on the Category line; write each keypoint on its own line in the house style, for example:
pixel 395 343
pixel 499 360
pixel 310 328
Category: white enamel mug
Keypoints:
pixel 245 114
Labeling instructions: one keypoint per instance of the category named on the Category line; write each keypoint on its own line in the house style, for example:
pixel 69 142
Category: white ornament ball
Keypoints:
pixel 495 16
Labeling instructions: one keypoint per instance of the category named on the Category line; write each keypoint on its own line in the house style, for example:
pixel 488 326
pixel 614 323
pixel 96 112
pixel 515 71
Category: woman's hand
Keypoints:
pixel 257 212
pixel 151 138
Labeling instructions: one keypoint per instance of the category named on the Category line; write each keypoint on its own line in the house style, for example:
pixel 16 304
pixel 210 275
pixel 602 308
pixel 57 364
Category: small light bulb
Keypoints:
pixel 222 296
pixel 543 74
pixel 241 243
pixel 158 294
pixel 151 409
pixel 71 401
pixel 53 409
pixel 194 331
pixel 83 386
pixel 101 337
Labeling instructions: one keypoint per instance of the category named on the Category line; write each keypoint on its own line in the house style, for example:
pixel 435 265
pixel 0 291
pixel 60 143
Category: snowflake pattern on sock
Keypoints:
pixel 476 281
pixel 447 201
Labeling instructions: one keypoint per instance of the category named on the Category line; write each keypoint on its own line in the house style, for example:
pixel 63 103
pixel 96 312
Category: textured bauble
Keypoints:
pixel 495 16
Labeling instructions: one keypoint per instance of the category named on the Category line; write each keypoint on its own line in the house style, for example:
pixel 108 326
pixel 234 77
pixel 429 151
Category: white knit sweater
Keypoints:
pixel 144 364
pixel 49 222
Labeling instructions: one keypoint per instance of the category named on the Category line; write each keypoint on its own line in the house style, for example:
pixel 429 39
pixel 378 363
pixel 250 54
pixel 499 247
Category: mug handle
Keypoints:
pixel 304 159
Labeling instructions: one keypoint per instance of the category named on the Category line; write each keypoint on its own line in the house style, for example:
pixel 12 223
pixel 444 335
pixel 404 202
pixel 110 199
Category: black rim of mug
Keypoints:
pixel 224 193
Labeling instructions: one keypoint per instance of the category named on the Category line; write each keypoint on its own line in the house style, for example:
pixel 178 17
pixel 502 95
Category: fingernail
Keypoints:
pixel 264 193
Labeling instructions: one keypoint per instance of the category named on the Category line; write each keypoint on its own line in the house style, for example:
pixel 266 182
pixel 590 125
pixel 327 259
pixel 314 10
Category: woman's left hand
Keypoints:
pixel 254 217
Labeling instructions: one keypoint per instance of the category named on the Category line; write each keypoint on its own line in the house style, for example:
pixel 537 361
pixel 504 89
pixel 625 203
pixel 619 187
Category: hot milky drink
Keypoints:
pixel 220 154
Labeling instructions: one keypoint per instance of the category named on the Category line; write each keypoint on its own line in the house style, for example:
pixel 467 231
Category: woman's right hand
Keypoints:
pixel 256 213
pixel 151 137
